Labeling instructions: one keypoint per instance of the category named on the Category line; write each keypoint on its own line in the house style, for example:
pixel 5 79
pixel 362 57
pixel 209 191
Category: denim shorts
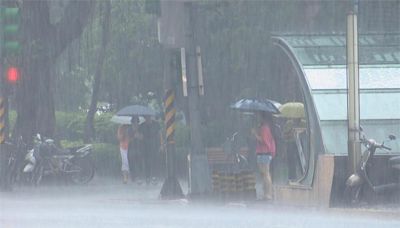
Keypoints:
pixel 264 158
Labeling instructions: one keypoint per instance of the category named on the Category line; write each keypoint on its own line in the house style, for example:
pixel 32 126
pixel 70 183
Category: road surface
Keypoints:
pixel 109 203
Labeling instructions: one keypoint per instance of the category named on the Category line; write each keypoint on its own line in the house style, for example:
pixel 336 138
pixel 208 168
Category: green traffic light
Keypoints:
pixel 10 12
pixel 11 29
pixel 153 6
pixel 11 46
pixel 10 18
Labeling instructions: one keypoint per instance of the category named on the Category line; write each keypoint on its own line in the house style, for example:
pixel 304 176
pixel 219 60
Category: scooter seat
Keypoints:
pixel 395 162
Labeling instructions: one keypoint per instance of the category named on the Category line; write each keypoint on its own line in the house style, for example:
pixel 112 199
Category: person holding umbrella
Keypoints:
pixel 295 125
pixel 133 112
pixel 150 132
pixel 134 146
pixel 265 150
pixel 264 136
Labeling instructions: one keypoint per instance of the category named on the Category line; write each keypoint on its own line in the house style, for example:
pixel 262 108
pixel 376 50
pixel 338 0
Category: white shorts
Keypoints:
pixel 124 160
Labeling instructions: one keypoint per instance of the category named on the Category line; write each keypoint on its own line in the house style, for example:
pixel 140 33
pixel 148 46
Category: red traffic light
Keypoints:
pixel 12 75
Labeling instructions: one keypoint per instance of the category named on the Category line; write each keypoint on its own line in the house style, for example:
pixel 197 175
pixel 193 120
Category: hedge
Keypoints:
pixel 70 130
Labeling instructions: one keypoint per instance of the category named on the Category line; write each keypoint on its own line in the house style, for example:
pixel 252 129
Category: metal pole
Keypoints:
pixel 353 98
pixel 3 112
pixel 171 188
pixel 200 180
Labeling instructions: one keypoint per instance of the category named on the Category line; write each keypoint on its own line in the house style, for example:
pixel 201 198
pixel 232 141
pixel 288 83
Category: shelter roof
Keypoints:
pixel 328 50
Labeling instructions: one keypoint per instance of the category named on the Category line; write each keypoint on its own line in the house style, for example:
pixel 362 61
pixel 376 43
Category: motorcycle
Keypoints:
pixel 231 148
pixel 47 159
pixel 18 149
pixel 359 180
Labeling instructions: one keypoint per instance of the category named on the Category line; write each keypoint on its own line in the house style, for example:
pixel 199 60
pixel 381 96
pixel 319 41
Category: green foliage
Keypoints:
pixel 107 159
pixel 73 89
pixel 130 69
pixel 106 154
pixel 66 143
pixel 105 129
pixel 70 126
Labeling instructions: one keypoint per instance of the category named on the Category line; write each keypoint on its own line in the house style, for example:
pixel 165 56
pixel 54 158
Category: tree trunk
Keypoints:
pixel 89 129
pixel 34 97
pixel 42 43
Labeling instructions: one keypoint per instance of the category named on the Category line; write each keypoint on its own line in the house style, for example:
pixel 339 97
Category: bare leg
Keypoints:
pixel 124 165
pixel 266 179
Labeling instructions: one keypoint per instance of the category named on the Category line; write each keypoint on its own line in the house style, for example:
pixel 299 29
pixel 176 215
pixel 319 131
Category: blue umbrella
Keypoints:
pixel 136 110
pixel 253 105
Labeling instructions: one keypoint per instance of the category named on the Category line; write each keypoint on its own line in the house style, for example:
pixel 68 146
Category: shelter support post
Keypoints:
pixel 353 101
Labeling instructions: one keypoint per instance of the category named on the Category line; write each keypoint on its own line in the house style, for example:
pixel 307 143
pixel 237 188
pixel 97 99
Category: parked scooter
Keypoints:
pixel 360 180
pixel 14 152
pixel 47 159
pixel 18 149
pixel 232 150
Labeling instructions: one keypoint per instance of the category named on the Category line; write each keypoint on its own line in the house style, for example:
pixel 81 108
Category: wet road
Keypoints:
pixel 111 204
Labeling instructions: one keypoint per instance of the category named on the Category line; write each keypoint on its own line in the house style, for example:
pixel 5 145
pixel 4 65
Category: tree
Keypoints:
pixel 89 129
pixel 42 43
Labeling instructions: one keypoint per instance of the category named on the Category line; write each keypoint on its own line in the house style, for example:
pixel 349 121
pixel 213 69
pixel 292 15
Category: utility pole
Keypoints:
pixel 170 30
pixel 177 31
pixel 200 182
pixel 353 90
pixel 171 188
pixel 3 157
pixel 9 75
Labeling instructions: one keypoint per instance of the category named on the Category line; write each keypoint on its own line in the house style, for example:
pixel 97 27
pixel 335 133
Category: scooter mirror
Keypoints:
pixel 392 137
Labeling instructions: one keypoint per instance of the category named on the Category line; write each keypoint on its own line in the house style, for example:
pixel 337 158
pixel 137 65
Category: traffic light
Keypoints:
pixel 11 20
pixel 10 49
pixel 153 7
pixel 12 75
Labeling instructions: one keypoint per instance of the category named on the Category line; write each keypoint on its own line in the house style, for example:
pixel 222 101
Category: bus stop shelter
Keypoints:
pixel 312 69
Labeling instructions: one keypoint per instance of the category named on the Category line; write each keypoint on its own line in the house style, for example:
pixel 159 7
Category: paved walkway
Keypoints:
pixel 109 203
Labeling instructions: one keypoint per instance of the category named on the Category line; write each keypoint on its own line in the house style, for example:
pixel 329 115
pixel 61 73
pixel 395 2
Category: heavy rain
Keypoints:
pixel 194 113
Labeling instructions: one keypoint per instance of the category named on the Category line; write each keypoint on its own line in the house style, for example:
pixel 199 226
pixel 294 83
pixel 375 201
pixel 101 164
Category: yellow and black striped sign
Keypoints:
pixel 170 112
pixel 2 120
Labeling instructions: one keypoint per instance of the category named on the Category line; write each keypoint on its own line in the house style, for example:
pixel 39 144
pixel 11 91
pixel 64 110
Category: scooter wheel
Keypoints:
pixel 352 195
pixel 37 176
pixel 82 171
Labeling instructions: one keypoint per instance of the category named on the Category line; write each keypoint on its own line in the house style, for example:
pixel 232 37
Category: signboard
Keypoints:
pixel 184 76
pixel 171 24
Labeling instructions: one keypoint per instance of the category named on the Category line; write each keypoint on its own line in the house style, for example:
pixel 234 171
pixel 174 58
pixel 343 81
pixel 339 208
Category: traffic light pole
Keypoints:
pixel 171 188
pixel 4 185
pixel 9 51
pixel 199 175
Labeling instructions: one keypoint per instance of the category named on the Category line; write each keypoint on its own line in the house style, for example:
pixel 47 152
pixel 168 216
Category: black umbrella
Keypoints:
pixel 136 110
pixel 252 105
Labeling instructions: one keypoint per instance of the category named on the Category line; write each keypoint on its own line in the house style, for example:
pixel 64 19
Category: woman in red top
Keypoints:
pixel 265 150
